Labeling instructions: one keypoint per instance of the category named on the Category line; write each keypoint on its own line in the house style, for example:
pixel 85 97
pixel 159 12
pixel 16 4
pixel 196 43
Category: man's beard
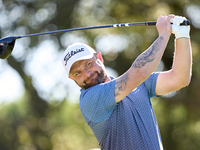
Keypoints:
pixel 101 78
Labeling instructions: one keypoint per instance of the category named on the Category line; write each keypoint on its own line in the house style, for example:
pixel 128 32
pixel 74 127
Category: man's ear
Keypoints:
pixel 71 78
pixel 99 56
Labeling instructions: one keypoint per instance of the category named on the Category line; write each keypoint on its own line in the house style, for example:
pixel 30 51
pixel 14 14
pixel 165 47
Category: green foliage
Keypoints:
pixel 62 128
pixel 178 125
pixel 37 122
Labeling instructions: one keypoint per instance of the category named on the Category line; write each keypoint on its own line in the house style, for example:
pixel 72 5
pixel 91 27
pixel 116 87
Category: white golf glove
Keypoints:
pixel 180 31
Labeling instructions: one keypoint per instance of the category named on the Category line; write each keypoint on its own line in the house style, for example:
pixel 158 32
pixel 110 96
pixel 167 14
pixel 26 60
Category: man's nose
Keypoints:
pixel 87 72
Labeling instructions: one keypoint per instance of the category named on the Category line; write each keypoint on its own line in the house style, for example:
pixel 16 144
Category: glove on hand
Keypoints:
pixel 180 31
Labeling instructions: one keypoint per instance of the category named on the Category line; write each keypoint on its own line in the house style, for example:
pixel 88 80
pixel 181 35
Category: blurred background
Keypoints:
pixel 39 105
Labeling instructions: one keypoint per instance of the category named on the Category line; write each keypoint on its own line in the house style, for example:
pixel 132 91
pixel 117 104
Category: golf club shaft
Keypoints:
pixel 7 43
pixel 186 22
pixel 91 27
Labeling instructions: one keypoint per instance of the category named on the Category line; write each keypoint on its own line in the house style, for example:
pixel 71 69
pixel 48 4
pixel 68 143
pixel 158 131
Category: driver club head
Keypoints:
pixel 6 46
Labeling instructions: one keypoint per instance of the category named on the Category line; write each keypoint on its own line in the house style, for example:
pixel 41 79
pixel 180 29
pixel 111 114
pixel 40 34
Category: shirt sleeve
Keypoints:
pixel 98 102
pixel 150 84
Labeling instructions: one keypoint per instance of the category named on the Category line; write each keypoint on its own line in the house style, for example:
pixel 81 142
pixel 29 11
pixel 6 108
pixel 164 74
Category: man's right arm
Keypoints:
pixel 146 62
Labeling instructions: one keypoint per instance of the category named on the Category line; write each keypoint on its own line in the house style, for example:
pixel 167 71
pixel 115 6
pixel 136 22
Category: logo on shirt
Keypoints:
pixel 72 53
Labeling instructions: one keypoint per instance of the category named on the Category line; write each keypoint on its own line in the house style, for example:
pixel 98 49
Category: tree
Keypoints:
pixel 40 120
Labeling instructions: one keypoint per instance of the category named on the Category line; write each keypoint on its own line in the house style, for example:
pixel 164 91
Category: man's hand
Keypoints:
pixel 180 31
pixel 164 25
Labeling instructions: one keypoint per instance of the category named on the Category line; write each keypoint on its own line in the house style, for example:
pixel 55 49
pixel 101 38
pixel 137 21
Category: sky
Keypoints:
pixel 11 87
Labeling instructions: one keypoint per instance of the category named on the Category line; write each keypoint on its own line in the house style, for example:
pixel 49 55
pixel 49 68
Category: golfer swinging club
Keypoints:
pixel 118 110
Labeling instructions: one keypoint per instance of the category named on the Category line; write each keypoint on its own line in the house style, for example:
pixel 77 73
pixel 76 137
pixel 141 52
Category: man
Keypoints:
pixel 119 110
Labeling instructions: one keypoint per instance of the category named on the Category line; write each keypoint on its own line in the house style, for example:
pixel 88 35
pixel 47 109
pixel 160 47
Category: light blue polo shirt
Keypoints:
pixel 128 125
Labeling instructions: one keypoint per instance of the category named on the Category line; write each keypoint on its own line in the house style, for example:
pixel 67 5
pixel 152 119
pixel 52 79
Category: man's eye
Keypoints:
pixel 77 73
pixel 89 63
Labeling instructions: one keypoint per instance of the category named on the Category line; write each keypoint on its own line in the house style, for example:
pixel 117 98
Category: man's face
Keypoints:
pixel 89 72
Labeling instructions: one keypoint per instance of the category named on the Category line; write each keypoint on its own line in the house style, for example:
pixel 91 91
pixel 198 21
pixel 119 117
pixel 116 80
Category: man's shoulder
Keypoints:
pixel 98 92
pixel 91 89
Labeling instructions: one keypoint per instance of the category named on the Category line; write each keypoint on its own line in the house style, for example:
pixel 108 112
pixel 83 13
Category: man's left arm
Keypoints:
pixel 180 74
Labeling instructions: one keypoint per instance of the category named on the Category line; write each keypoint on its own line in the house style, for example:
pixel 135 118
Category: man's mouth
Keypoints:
pixel 91 78
pixel 95 78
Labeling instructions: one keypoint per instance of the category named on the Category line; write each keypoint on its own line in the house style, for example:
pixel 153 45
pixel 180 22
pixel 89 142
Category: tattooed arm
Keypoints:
pixel 146 62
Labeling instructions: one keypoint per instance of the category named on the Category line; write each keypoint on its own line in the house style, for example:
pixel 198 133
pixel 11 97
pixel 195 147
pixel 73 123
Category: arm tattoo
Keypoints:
pixel 146 57
pixel 149 55
pixel 121 84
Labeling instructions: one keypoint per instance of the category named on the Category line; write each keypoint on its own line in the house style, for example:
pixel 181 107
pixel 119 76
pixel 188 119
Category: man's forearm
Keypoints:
pixel 149 60
pixel 182 64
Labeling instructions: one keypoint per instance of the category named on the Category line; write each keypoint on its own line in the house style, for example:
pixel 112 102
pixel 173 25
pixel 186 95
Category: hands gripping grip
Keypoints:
pixel 153 23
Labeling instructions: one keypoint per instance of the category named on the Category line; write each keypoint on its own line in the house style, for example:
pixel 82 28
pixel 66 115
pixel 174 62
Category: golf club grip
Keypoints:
pixel 153 23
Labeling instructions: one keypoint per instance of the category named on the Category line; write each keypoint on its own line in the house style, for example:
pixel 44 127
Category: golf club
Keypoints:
pixel 7 43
